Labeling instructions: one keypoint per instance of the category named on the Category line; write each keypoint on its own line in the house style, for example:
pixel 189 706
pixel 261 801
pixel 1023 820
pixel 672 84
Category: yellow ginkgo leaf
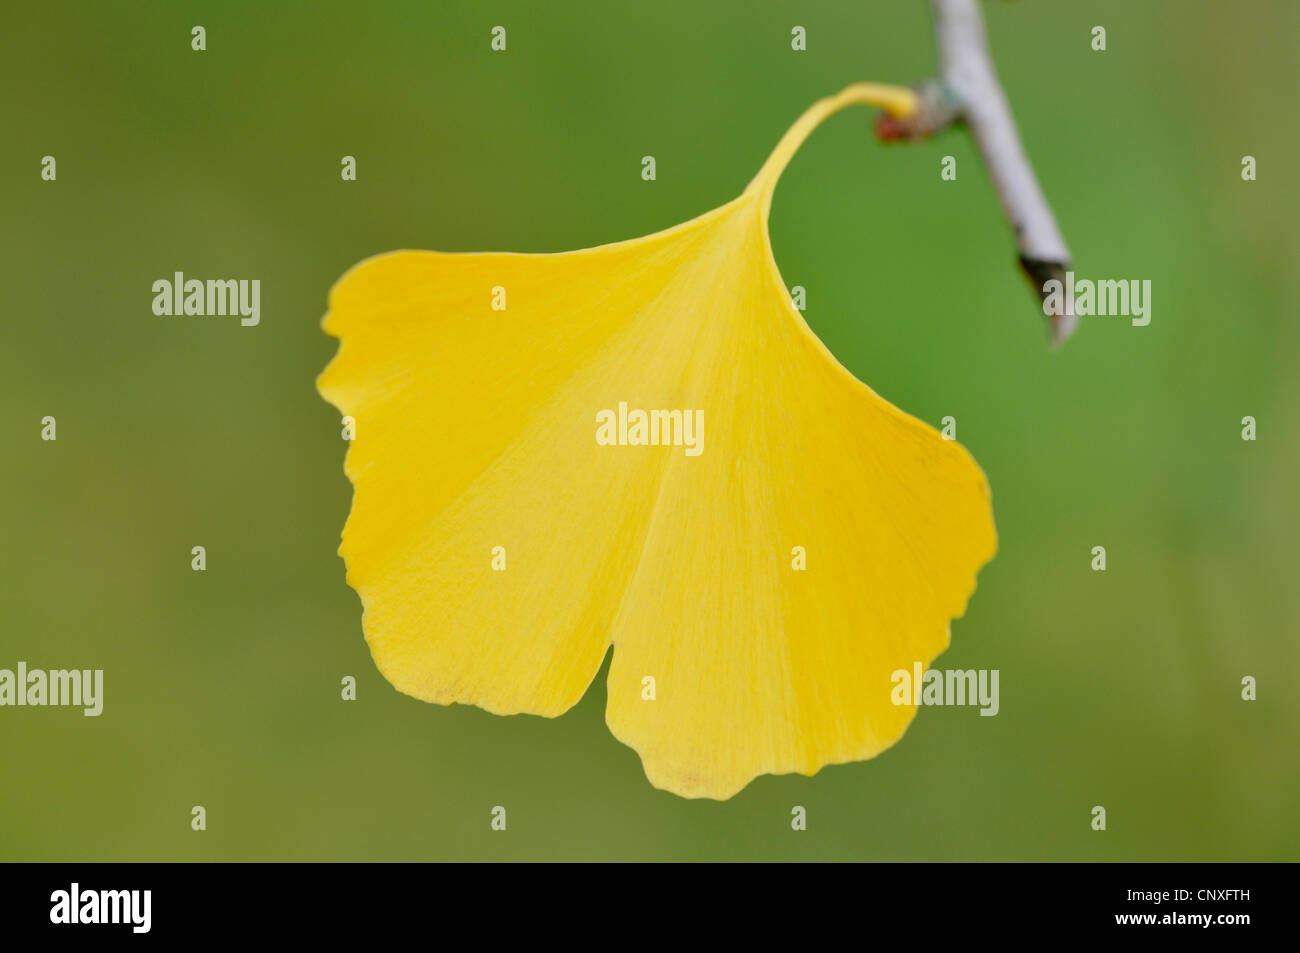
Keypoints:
pixel 643 445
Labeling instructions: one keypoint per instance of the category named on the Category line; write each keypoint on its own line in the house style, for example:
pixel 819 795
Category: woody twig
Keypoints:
pixel 967 91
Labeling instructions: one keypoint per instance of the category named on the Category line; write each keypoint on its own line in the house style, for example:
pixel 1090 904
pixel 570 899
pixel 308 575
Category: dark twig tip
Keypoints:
pixel 1061 322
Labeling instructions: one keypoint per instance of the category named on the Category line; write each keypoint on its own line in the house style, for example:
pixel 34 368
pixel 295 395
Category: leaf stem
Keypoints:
pixel 899 101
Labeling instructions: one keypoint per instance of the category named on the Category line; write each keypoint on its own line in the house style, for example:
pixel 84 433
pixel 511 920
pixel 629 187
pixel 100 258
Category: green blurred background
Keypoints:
pixel 222 688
